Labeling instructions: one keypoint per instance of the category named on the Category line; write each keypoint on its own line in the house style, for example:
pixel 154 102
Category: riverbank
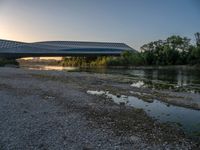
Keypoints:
pixel 189 67
pixel 87 66
pixel 52 110
pixel 7 62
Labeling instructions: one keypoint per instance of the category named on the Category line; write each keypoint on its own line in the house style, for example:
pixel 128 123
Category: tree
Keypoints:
pixel 197 36
pixel 178 43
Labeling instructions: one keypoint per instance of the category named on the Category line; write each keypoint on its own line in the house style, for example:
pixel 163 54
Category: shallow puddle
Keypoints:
pixel 138 84
pixel 189 119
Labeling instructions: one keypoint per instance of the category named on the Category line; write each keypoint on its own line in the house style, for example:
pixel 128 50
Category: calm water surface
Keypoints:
pixel 177 76
pixel 178 79
pixel 188 119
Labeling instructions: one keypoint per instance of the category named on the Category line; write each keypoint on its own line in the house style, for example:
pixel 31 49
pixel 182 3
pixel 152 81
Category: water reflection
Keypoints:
pixel 180 76
pixel 43 67
pixel 175 76
pixel 187 118
pixel 138 84
pixel 178 79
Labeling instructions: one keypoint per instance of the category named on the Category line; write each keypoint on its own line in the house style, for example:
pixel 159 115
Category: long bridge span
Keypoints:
pixel 14 49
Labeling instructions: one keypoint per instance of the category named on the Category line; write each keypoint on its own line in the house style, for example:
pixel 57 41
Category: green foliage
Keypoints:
pixel 74 61
pixel 197 36
pixel 175 50
pixel 4 61
pixel 194 55
pixel 85 61
pixel 126 59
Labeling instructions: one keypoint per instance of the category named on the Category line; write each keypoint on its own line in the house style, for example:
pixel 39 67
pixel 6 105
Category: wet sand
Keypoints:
pixel 52 110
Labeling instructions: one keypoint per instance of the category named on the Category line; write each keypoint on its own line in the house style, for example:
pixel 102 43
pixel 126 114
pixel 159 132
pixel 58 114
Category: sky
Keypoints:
pixel 134 22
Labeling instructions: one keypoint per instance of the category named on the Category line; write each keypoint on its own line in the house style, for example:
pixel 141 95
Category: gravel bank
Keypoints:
pixel 51 110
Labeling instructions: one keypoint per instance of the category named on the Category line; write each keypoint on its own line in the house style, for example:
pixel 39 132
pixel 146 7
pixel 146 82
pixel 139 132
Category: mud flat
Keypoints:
pixel 53 110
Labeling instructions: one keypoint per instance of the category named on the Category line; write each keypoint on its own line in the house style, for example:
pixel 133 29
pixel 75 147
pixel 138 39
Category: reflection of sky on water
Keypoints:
pixel 176 76
pixel 188 118
pixel 181 77
pixel 186 79
pixel 138 84
pixel 44 67
pixel 183 80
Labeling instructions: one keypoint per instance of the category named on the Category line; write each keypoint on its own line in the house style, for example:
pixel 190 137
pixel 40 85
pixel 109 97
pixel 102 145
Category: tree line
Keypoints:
pixel 175 50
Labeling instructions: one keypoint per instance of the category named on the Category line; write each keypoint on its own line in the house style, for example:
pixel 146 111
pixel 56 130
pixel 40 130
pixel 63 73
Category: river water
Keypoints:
pixel 178 79
pixel 186 118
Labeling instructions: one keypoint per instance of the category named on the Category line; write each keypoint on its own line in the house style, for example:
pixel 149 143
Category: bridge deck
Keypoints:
pixel 61 48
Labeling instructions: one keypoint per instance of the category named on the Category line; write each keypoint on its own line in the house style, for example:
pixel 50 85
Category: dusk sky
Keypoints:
pixel 134 22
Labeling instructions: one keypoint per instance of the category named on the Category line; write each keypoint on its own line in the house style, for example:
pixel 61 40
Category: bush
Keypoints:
pixel 126 59
pixel 4 61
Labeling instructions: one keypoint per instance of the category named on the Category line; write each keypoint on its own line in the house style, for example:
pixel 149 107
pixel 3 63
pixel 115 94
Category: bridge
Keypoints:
pixel 14 49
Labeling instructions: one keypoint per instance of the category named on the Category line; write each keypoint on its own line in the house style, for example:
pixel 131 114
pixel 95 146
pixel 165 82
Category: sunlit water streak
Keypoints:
pixel 44 67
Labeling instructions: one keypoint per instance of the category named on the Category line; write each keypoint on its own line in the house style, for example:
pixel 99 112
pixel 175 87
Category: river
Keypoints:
pixel 181 79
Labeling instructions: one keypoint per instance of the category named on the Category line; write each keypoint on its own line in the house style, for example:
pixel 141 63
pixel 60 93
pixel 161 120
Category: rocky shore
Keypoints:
pixel 52 110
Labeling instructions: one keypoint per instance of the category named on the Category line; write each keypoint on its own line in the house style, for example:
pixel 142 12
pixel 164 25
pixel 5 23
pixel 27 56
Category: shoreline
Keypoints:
pixel 57 63
pixel 60 95
pixel 183 99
